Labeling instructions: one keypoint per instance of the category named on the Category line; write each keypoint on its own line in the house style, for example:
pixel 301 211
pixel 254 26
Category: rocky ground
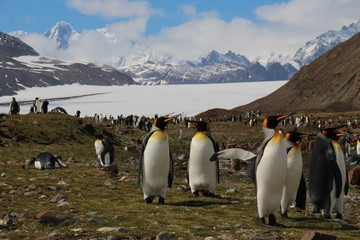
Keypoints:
pixel 87 202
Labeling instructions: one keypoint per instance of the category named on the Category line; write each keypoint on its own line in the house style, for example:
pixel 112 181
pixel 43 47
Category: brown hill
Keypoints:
pixel 331 83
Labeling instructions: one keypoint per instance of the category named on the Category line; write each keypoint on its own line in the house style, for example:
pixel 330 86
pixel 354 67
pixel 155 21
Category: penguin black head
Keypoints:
pixel 201 126
pixel 332 132
pixel 272 121
pixel 100 136
pixel 162 122
pixel 294 136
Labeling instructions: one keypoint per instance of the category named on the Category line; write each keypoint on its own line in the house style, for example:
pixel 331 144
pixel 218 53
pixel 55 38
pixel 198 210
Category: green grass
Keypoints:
pixel 25 136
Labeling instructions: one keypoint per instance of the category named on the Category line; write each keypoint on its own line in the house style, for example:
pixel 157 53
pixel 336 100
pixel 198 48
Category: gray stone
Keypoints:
pixel 58 197
pixel 112 238
pixel 30 194
pixel 111 229
pixel 165 236
pixel 32 187
pixel 55 218
pixel 267 236
pixel 97 220
pixel 313 235
pixel 232 190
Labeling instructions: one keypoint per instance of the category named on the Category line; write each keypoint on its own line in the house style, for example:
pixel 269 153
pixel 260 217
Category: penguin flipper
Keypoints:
pixel 236 153
pixel 337 177
pixel 346 183
pixel 141 162
pixel 301 194
pixel 171 170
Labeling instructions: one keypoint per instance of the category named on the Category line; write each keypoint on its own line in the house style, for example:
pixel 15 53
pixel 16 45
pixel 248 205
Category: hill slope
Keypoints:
pixel 329 83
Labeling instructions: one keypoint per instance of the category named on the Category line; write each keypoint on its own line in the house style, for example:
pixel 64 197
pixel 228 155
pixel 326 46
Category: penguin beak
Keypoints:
pixel 340 134
pixel 282 117
pixel 194 123
pixel 168 120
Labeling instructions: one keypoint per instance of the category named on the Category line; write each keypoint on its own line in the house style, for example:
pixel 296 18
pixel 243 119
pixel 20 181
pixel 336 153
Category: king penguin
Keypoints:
pixel 104 150
pixel 270 170
pixel 293 185
pixel 202 174
pixel 156 164
pixel 328 182
pixel 45 160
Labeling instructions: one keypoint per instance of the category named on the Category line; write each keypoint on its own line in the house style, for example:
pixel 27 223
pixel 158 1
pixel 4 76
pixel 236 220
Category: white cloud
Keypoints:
pixel 284 28
pixel 41 44
pixel 113 8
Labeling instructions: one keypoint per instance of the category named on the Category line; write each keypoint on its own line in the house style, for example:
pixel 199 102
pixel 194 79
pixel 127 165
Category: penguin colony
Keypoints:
pixel 278 153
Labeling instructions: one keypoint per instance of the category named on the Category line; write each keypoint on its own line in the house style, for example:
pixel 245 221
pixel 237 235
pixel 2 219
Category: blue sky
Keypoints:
pixel 39 15
pixel 182 29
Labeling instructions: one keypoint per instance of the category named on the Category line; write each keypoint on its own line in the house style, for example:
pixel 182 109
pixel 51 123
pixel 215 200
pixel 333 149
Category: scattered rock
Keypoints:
pixel 55 218
pixel 232 190
pixel 210 238
pixel 53 234
pixel 30 194
pixel 63 204
pixel 267 236
pixel 3 174
pixel 312 235
pixel 97 220
pixel 52 188
pixel 198 227
pixel 165 236
pixel 111 229
pixel 109 183
pixel 32 187
pixel 119 217
pixel 58 198
pixel 112 238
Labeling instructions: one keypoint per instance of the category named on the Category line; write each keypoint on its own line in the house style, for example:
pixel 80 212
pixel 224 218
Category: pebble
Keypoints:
pixel 30 194
pixel 111 229
pixel 165 236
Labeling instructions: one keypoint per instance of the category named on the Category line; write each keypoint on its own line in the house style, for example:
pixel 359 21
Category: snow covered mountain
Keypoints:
pixel 318 46
pixel 62 33
pixel 213 68
pixel 148 67
pixel 21 67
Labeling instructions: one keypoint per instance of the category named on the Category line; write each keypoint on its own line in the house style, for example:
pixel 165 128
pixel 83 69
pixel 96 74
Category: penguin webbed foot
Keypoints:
pixel 161 201
pixel 149 200
pixel 272 222
pixel 285 217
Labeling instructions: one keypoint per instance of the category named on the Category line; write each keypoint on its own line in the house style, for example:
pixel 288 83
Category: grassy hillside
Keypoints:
pixel 97 199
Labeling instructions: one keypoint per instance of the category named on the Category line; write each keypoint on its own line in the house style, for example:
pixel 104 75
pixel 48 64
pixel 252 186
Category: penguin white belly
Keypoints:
pixel 358 148
pixel 99 147
pixel 293 176
pixel 37 164
pixel 156 165
pixel 202 172
pixel 270 176
pixel 338 202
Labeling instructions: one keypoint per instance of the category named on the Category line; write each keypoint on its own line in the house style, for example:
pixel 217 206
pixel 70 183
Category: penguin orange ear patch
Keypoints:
pixel 324 132
pixel 288 135
pixel 265 123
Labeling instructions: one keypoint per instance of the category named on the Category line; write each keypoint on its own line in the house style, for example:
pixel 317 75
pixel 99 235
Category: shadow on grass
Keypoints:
pixel 198 203
pixel 318 224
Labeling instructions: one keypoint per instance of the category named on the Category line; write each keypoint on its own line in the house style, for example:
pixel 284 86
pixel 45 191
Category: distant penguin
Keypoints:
pixel 104 150
pixel 358 146
pixel 202 174
pixel 44 161
pixel 270 170
pixel 328 181
pixel 294 175
pixel 156 164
